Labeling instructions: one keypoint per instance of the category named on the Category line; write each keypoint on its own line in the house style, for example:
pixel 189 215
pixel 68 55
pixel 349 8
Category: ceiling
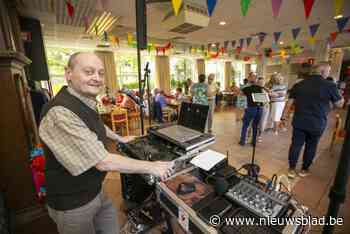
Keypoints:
pixel 58 27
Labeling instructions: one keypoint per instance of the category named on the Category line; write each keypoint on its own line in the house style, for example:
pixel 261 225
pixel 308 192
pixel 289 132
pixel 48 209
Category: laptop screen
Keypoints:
pixel 193 116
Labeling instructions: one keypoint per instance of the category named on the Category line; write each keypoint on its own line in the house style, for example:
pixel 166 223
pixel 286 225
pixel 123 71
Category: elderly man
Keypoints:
pixel 75 141
pixel 311 98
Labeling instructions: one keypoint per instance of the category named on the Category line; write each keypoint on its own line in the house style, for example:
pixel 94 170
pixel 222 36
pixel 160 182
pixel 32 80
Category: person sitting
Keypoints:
pixel 179 97
pixel 128 104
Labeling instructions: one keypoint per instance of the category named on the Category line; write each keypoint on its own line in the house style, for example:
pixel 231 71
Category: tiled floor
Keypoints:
pixel 271 156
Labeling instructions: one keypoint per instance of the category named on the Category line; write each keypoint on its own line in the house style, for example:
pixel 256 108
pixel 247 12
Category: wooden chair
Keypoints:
pixel 134 119
pixel 119 117
pixel 339 133
pixel 167 114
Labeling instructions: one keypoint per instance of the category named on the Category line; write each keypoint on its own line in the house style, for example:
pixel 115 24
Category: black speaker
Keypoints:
pixel 34 49
pixel 141 24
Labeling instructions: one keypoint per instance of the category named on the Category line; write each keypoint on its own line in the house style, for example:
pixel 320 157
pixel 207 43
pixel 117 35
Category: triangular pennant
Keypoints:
pixel 333 36
pixel 209 45
pixel 295 33
pixel 225 45
pixel 176 6
pixel 244 6
pixel 130 38
pixel 276 36
pixel 241 42
pixel 312 40
pixel 211 5
pixel 233 43
pixel 104 4
pixel 338 4
pixel 276 6
pixel 86 22
pixel 341 23
pixel 249 40
pixel 307 7
pixel 202 47
pixel 313 29
pixel 217 44
pixel 261 38
pixel 70 8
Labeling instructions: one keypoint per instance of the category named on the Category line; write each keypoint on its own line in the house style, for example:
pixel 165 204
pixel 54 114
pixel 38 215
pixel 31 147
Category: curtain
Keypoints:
pixel 107 58
pixel 162 73
pixel 228 75
pixel 200 66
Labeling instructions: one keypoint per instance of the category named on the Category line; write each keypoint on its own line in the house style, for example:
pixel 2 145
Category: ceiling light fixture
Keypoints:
pixel 102 23
pixel 338 16
pixel 222 23
pixel 281 42
pixel 213 45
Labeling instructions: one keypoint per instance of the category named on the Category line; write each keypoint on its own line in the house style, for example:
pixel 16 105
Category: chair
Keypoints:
pixel 339 133
pixel 119 117
pixel 134 119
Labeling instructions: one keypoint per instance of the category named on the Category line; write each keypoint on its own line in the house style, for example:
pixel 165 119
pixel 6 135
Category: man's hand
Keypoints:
pixel 126 139
pixel 162 170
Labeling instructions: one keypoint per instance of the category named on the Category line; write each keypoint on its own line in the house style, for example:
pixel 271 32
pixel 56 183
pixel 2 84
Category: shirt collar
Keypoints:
pixel 87 101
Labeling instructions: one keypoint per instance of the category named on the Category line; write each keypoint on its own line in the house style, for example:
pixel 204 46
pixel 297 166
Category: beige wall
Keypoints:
pixel 227 75
pixel 162 73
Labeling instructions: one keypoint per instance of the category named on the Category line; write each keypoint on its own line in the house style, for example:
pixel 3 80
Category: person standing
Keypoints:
pixel 199 91
pixel 265 110
pixel 75 141
pixel 278 94
pixel 312 98
pixel 212 91
pixel 253 111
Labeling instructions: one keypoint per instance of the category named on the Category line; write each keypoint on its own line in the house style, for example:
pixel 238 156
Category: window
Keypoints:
pixel 181 69
pixel 238 72
pixel 216 67
pixel 57 59
pixel 127 73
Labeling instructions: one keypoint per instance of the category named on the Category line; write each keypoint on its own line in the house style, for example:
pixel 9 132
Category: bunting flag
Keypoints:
pixel 130 38
pixel 86 22
pixel 211 5
pixel 233 43
pixel 176 6
pixel 244 6
pixel 307 7
pixel 114 40
pixel 104 4
pixel 249 40
pixel 341 23
pixel 338 4
pixel 241 42
pixel 202 48
pixel 261 38
pixel 225 45
pixel 313 29
pixel 209 45
pixel 70 8
pixel 333 36
pixel 312 40
pixel 276 36
pixel 217 44
pixel 276 6
pixel 295 33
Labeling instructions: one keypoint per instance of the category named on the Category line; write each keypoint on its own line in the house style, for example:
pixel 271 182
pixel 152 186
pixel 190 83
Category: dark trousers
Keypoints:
pixel 299 138
pixel 250 114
